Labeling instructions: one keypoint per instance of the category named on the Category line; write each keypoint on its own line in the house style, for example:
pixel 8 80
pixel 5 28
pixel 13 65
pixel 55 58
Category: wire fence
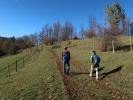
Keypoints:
pixel 18 64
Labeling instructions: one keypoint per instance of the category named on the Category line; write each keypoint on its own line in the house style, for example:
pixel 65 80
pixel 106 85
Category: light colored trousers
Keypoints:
pixel 96 69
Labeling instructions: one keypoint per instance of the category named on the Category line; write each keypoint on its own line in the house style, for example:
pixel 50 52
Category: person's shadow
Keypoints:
pixel 102 75
pixel 105 74
pixel 80 73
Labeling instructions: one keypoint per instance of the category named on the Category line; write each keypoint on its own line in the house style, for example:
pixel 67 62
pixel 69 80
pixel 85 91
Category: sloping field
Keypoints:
pixel 115 71
pixel 42 79
pixel 38 80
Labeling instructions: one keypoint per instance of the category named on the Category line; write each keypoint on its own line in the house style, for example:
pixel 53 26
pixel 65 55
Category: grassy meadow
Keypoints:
pixel 40 78
pixel 116 69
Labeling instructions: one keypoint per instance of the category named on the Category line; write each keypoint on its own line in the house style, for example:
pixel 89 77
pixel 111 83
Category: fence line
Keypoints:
pixel 18 64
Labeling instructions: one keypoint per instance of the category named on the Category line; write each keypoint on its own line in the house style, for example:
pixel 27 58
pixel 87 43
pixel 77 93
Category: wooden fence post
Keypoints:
pixel 23 61
pixel 8 70
pixel 131 48
pixel 16 65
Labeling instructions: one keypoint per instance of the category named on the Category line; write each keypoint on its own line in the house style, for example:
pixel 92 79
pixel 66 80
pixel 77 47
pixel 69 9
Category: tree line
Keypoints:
pixel 56 32
pixel 14 45
pixel 117 23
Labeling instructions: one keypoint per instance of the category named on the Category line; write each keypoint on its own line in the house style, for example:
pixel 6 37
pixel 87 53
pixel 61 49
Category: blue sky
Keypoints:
pixel 21 17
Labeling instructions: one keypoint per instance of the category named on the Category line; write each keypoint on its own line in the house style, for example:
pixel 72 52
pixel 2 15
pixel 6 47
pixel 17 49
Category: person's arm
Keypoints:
pixel 91 59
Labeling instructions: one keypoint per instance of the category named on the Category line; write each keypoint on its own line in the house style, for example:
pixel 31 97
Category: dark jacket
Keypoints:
pixel 95 59
pixel 66 55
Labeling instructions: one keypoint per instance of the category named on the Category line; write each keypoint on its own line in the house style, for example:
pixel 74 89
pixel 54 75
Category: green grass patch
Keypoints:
pixel 117 68
pixel 38 80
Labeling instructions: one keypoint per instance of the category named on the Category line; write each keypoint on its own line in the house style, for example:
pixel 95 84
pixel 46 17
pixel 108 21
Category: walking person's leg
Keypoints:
pixel 68 67
pixel 91 70
pixel 64 67
pixel 97 74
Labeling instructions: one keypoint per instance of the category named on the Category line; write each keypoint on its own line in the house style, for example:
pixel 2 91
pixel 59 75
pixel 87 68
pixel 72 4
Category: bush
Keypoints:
pixel 106 41
pixel 90 34
pixel 55 46
pixel 75 38
pixel 102 47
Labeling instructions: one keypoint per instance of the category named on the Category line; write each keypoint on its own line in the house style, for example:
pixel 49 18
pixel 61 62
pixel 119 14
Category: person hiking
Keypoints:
pixel 95 61
pixel 66 61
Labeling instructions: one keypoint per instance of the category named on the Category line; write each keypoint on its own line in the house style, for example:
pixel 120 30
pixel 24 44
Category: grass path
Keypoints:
pixel 97 90
pixel 74 91
pixel 117 68
pixel 87 87
pixel 115 93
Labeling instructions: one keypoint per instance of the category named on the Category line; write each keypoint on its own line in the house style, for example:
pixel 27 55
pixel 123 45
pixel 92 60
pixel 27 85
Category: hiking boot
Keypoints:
pixel 68 73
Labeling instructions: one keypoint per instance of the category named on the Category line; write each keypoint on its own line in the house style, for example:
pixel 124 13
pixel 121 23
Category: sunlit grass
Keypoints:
pixel 38 80
pixel 121 79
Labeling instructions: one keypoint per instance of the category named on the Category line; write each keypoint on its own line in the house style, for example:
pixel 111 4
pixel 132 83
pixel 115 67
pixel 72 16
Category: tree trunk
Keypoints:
pixel 113 46
pixel 131 48
pixel 94 44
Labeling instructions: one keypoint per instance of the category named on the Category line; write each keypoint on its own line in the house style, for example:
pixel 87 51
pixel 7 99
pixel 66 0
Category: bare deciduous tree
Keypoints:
pixel 82 31
pixel 67 31
pixel 131 34
pixel 114 14
pixel 91 31
pixel 57 30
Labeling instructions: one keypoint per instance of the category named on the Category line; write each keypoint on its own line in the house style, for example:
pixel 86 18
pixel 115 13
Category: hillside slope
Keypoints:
pixel 38 80
pixel 115 70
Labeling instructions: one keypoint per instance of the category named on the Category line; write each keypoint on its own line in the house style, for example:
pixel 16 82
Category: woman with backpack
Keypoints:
pixel 95 61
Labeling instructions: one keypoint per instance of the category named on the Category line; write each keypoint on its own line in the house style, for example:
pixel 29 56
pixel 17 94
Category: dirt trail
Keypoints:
pixel 115 93
pixel 71 87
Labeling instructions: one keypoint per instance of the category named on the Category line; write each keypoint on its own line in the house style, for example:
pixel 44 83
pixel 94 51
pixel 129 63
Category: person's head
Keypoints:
pixel 65 48
pixel 94 52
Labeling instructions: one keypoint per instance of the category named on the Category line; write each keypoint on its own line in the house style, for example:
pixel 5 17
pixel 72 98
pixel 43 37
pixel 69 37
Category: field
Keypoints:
pixel 39 79
pixel 42 77
pixel 115 73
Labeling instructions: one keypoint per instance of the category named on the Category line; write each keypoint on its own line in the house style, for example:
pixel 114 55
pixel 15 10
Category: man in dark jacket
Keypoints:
pixel 95 61
pixel 66 61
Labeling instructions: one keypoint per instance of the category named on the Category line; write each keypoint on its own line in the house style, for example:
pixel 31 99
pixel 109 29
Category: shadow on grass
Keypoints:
pixel 124 48
pixel 101 68
pixel 80 73
pixel 119 68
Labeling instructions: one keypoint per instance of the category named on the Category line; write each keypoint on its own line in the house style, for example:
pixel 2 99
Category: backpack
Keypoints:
pixel 96 59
